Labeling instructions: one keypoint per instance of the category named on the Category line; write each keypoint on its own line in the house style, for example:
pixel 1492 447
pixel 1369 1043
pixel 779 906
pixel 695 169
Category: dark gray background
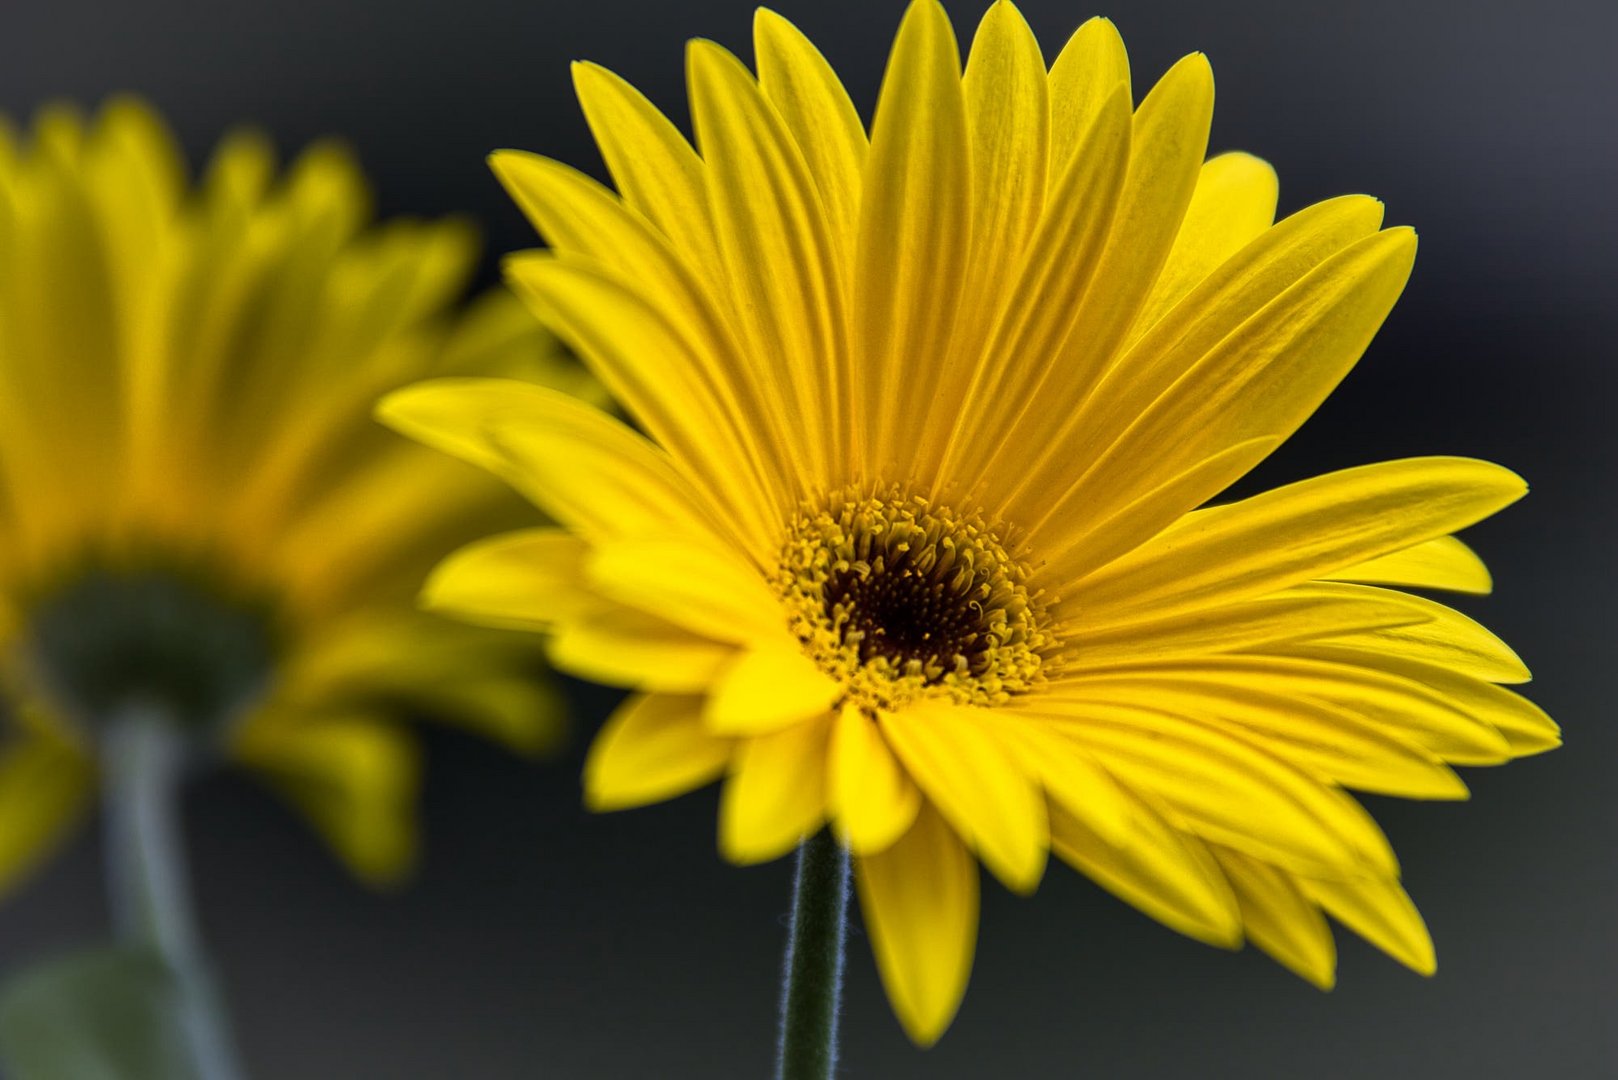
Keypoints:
pixel 541 941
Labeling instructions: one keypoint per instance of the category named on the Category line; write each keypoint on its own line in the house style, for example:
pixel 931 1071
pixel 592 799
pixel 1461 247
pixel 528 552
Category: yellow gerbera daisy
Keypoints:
pixel 917 545
pixel 200 513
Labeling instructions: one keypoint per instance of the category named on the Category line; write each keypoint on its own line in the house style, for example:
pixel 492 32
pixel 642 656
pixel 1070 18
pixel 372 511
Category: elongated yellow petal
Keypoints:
pixel 1445 638
pixel 705 590
pixel 1230 791
pixel 1073 779
pixel 766 213
pixel 1059 265
pixel 627 302
pixel 1444 563
pixel 1008 122
pixel 651 163
pixel 45 787
pixel 523 580
pixel 1165 872
pixel 653 748
pixel 1299 614
pixel 1329 742
pixel 920 901
pixel 768 688
pixel 1522 726
pixel 530 435
pixel 1403 707
pixel 915 222
pixel 1379 910
pixel 623 647
pixel 354 777
pixel 1280 919
pixel 1090 67
pixel 1167 144
pixel 823 121
pixel 1298 532
pixel 967 770
pixel 599 478
pixel 1083 542
pixel 872 799
pixel 1234 201
pixel 776 794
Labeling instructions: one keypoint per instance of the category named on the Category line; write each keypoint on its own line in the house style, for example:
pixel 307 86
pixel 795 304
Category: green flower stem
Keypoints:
pixel 143 762
pixel 813 989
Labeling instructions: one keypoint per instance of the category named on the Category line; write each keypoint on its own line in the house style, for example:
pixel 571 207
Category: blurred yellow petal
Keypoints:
pixel 354 778
pixel 920 901
pixel 966 769
pixel 653 748
pixel 871 796
pixel 768 688
pixel 775 796
pixel 46 785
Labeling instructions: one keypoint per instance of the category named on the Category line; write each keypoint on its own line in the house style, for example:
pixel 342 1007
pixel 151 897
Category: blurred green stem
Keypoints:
pixel 143 762
pixel 812 996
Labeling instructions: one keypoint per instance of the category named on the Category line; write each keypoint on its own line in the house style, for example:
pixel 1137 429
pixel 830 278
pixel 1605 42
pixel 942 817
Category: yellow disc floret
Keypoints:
pixel 896 597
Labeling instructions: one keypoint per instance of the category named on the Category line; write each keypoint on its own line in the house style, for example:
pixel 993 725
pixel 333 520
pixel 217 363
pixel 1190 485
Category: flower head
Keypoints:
pixel 201 515
pixel 917 544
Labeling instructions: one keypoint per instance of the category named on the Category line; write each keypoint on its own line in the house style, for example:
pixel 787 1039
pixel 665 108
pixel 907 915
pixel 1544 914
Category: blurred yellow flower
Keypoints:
pixel 914 546
pixel 198 506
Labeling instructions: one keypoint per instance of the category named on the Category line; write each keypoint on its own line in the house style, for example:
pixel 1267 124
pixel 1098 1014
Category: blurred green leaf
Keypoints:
pixel 100 1014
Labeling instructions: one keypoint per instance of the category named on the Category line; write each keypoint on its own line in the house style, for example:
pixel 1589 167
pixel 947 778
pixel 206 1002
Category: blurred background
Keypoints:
pixel 540 941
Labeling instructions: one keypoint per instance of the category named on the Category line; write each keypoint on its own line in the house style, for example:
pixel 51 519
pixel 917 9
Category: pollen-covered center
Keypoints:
pixel 896 596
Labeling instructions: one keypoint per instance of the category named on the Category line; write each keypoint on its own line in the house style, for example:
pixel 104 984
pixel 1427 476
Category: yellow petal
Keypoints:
pixel 1297 304
pixel 654 747
pixel 1302 613
pixel 651 163
pixel 1165 872
pixel 914 231
pixel 1379 910
pixel 1083 541
pixel 523 580
pixel 768 688
pixel 353 777
pixel 1444 638
pixel 589 470
pixel 817 111
pixel 1071 777
pixel 596 476
pixel 705 590
pixel 623 647
pixel 1228 790
pixel 1444 563
pixel 1521 727
pixel 872 799
pixel 628 304
pixel 1297 532
pixel 1167 143
pixel 787 293
pixel 1059 266
pixel 1008 119
pixel 1234 202
pixel 920 901
pixel 776 793
pixel 1324 740
pixel 967 769
pixel 46 785
pixel 1403 707
pixel 1280 919
pixel 1088 70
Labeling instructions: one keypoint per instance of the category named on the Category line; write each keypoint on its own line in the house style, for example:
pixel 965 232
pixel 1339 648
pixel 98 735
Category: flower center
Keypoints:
pixel 897 597
pixel 105 641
